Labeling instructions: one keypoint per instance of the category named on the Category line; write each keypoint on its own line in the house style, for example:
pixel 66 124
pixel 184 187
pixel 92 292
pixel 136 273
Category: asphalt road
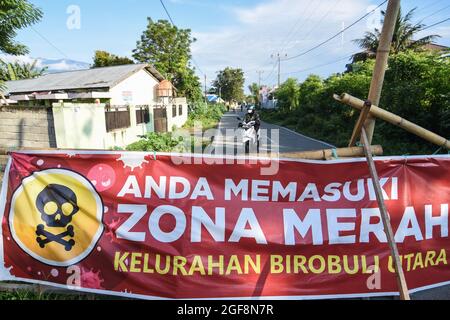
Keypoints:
pixel 287 140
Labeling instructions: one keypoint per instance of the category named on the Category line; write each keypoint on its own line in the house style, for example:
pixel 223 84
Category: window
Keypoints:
pixel 180 110
pixel 174 111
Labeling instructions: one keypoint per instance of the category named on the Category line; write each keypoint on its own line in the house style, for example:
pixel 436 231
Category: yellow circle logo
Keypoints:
pixel 56 217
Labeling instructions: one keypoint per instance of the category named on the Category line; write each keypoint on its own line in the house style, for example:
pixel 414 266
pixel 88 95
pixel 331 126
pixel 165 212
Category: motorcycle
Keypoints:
pixel 250 136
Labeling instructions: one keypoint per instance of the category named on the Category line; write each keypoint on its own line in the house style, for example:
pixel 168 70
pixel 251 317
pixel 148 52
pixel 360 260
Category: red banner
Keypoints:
pixel 154 226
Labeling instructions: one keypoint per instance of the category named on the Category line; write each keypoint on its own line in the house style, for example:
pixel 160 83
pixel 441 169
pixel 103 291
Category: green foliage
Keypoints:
pixel 231 81
pixel 208 115
pixel 158 142
pixel 106 59
pixel 168 48
pixel 417 87
pixel 403 39
pixel 10 71
pixel 14 16
pixel 254 90
pixel 288 95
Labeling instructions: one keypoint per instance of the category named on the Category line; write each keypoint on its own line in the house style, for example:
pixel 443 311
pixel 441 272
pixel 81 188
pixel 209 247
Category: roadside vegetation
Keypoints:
pixel 417 87
pixel 207 115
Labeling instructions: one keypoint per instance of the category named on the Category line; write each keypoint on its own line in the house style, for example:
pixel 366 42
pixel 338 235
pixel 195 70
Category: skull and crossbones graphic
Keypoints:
pixel 57 205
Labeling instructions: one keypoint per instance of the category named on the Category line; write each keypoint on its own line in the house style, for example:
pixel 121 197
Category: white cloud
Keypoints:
pixel 21 59
pixel 288 25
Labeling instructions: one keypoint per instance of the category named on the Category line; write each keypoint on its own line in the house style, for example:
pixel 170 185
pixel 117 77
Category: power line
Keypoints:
pixel 49 42
pixel 167 11
pixel 435 13
pixel 321 19
pixel 271 72
pixel 429 6
pixel 337 34
pixel 287 40
pixel 171 21
pixel 321 65
pixel 435 24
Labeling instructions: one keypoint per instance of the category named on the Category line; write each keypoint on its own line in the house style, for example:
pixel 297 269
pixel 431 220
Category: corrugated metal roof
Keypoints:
pixel 96 78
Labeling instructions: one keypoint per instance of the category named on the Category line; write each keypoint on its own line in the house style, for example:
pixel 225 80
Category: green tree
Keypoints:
pixel 417 87
pixel 254 91
pixel 288 95
pixel 403 38
pixel 231 81
pixel 106 59
pixel 16 15
pixel 10 71
pixel 168 48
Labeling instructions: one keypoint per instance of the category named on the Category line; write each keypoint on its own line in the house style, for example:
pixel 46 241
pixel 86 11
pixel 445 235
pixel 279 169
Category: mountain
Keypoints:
pixel 60 65
pixel 53 65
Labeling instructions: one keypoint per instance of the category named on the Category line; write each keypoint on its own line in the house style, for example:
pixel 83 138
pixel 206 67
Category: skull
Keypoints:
pixel 57 205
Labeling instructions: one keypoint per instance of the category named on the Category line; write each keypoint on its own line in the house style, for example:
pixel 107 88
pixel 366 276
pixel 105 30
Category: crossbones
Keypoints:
pixel 45 237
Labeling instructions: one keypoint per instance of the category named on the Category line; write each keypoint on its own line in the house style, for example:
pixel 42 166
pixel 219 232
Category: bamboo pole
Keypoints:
pixel 395 120
pixel 401 281
pixel 360 123
pixel 379 72
pixel 325 154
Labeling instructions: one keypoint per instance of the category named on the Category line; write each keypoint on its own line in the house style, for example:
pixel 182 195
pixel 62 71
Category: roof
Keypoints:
pixel 435 47
pixel 96 78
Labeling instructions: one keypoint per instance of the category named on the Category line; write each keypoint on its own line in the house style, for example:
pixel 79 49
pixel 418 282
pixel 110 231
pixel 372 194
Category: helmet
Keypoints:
pixel 251 109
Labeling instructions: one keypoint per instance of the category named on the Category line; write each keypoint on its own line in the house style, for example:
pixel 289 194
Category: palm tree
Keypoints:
pixel 402 40
pixel 10 71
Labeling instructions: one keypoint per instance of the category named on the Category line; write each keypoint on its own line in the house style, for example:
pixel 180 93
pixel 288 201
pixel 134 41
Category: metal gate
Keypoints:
pixel 160 119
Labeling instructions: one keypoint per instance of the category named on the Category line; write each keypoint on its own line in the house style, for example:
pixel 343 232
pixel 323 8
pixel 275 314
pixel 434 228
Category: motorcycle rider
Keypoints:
pixel 250 116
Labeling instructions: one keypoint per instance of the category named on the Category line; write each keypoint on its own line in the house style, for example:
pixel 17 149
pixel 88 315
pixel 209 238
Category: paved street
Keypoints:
pixel 288 141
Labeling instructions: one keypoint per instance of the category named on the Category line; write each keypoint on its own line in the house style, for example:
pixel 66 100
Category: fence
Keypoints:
pixel 142 115
pixel 117 117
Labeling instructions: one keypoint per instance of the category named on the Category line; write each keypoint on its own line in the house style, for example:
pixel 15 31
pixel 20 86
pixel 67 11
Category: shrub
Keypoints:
pixel 417 87
pixel 159 142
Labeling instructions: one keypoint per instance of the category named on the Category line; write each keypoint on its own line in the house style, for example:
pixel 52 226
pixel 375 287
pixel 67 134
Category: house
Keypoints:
pixel 267 97
pixel 97 108
pixel 214 99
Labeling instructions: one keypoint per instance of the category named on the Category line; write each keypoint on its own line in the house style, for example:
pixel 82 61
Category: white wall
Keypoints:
pixel 83 126
pixel 177 120
pixel 141 87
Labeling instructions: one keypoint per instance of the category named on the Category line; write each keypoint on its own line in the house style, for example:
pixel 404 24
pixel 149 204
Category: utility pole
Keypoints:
pixel 259 77
pixel 278 57
pixel 206 99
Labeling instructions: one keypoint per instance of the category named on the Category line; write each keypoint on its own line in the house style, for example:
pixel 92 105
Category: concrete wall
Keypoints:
pixel 138 89
pixel 83 126
pixel 178 120
pixel 26 127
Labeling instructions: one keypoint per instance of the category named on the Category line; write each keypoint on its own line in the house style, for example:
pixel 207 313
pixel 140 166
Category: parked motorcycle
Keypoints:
pixel 250 136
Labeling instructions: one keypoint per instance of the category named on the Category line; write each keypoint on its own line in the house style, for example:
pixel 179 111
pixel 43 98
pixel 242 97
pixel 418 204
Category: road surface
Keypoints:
pixel 287 141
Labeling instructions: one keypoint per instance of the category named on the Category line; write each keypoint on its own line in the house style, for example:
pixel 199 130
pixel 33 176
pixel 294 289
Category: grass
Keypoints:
pixel 30 295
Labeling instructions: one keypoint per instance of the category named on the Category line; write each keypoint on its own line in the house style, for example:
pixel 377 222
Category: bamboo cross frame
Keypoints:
pixel 396 120
pixel 360 130
pixel 325 154
pixel 401 281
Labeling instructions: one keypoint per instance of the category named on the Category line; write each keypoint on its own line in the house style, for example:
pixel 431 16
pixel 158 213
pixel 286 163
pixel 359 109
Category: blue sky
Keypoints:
pixel 233 33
